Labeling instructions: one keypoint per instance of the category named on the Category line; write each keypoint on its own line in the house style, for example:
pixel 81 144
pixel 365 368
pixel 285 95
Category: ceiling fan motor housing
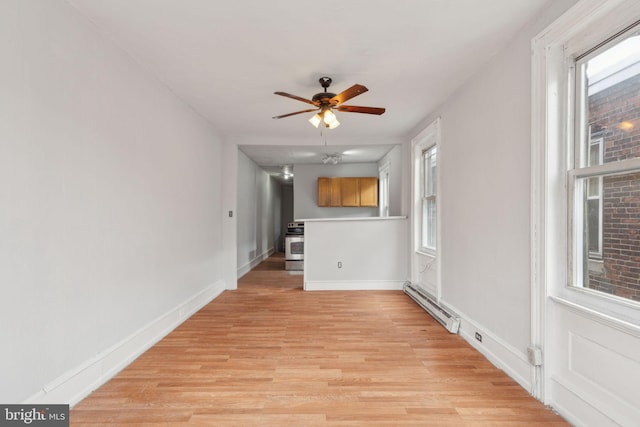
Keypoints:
pixel 324 98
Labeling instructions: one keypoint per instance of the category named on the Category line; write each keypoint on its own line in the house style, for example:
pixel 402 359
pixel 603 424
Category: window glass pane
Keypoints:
pixel 425 169
pixel 429 225
pixel 432 172
pixel 592 225
pixel 431 238
pixel 594 155
pixel 593 187
pixel 619 272
pixel 429 168
pixel 612 85
pixel 425 224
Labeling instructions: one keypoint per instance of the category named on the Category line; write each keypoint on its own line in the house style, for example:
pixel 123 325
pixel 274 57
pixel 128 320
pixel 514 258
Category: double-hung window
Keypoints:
pixel 383 190
pixel 428 195
pixel 604 170
pixel 426 156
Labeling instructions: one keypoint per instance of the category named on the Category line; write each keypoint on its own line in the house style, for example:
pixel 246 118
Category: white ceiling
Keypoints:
pixel 226 58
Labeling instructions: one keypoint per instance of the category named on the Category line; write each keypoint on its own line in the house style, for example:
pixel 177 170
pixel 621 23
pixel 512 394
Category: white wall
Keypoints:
pixel 229 189
pixel 110 193
pixel 305 190
pixel 370 250
pixel 258 214
pixel 485 201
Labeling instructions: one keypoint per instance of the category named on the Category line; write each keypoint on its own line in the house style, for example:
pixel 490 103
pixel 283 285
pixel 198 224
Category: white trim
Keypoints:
pixel 609 169
pixel 354 285
pixel 77 383
pixel 383 189
pixel 359 219
pixel 538 217
pixel 430 136
pixel 603 318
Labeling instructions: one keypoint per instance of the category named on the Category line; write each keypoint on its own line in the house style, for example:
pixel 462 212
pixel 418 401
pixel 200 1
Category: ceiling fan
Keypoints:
pixel 325 102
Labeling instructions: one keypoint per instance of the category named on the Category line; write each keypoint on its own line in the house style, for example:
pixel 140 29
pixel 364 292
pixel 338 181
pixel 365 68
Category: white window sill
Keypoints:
pixel 626 326
pixel 426 252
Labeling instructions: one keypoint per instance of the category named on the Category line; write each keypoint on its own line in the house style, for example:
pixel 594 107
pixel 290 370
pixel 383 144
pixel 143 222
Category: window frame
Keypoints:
pixel 552 136
pixel 580 171
pixel 576 31
pixel 428 194
pixel 425 140
pixel 597 254
pixel 383 190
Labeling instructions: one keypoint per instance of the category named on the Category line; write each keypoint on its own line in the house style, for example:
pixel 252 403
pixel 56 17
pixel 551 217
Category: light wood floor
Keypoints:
pixel 269 354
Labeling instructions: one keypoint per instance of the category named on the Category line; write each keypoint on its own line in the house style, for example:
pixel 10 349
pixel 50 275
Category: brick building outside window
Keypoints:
pixel 612 201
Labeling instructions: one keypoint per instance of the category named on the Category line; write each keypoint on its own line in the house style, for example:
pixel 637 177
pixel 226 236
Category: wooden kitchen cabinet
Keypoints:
pixel 329 194
pixel 368 191
pixel 336 193
pixel 324 192
pixel 348 192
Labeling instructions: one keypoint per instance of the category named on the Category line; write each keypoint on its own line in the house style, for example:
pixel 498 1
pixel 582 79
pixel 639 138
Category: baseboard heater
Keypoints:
pixel 448 320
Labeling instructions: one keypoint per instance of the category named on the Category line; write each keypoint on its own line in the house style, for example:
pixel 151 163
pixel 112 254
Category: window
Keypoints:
pixel 604 173
pixel 383 189
pixel 426 152
pixel 428 173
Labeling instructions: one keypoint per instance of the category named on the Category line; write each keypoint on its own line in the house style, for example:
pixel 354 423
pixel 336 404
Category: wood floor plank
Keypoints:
pixel 270 354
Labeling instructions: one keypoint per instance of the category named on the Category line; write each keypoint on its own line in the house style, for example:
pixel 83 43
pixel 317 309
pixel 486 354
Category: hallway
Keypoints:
pixel 270 354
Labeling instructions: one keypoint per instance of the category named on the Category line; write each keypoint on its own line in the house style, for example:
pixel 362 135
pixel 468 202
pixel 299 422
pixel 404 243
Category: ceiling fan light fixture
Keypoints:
pixel 331 158
pixel 334 124
pixel 315 120
pixel 329 117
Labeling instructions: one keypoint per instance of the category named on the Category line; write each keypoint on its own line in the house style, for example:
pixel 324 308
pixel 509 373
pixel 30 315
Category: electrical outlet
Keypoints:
pixel 478 336
pixel 339 264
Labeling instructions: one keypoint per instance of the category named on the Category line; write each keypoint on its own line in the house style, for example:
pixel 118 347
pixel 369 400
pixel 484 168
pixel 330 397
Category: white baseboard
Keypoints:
pixel 78 383
pixel 244 269
pixel 353 285
pixel 504 356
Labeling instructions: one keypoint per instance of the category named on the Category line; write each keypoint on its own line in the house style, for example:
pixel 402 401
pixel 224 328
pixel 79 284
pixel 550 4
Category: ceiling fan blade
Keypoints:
pixel 343 96
pixel 293 114
pixel 366 110
pixel 288 95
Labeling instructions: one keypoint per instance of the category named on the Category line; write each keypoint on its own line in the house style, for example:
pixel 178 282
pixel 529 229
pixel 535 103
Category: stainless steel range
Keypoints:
pixel 294 246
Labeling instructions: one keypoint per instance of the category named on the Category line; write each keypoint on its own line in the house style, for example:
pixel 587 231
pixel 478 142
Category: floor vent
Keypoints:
pixel 448 320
